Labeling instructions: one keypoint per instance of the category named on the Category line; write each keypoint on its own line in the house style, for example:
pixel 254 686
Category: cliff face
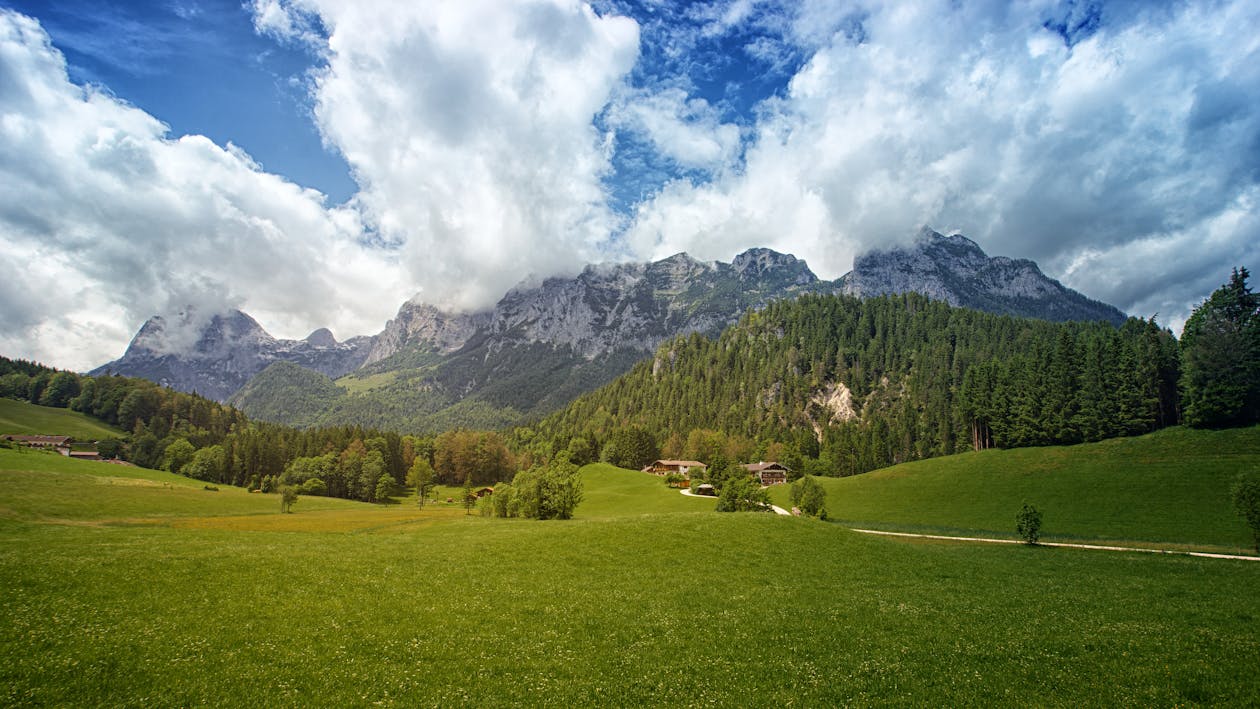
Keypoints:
pixel 956 270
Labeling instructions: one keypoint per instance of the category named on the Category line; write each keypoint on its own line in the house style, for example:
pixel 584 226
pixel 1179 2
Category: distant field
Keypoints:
pixel 121 586
pixel 28 419
pixel 357 384
pixel 1167 488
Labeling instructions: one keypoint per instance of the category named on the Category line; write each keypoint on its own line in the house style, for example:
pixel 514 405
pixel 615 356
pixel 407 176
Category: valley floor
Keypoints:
pixel 134 587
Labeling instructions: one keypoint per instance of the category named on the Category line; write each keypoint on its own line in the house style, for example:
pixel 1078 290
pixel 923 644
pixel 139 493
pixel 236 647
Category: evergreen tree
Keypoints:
pixel 1221 358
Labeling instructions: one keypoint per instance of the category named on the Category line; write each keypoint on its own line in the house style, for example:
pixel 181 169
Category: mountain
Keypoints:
pixel 216 355
pixel 956 270
pixel 548 341
pixel 543 343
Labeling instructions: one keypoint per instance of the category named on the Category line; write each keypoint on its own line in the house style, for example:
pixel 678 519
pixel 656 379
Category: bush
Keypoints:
pixel 741 494
pixel 1246 496
pixel 1028 524
pixel 810 497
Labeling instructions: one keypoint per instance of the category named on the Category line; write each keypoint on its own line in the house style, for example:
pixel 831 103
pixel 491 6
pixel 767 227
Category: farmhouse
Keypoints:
pixel 483 491
pixel 681 467
pixel 768 473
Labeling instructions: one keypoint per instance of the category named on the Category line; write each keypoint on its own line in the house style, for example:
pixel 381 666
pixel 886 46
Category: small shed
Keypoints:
pixel 483 491
pixel 768 473
pixel 705 489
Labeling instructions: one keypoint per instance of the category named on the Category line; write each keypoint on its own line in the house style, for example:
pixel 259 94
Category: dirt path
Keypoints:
pixel 1096 547
pixel 777 510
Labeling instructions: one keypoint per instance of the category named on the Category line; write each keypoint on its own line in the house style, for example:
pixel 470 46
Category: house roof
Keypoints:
pixel 40 439
pixel 681 463
pixel 764 466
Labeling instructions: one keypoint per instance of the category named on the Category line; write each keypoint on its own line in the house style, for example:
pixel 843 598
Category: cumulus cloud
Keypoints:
pixel 1119 151
pixel 1117 146
pixel 469 127
pixel 108 220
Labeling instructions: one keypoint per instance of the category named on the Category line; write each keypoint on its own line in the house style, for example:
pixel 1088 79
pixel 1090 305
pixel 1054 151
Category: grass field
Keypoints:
pixel 125 587
pixel 1169 488
pixel 28 419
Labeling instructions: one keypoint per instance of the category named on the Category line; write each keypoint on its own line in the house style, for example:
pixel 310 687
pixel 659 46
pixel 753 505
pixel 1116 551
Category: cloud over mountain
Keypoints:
pixel 1115 143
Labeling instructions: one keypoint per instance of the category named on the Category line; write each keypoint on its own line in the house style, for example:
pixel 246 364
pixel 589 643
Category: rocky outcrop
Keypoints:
pixel 956 270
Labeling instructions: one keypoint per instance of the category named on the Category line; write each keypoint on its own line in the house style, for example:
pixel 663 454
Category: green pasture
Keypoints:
pixel 610 491
pixel 19 417
pixel 121 587
pixel 1169 488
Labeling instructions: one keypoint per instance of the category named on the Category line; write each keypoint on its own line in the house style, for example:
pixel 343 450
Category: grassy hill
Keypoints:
pixel 610 491
pixel 28 419
pixel 1169 487
pixel 122 586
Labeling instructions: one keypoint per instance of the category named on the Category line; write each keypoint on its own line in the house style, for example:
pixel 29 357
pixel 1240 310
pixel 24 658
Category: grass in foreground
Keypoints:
pixel 28 419
pixel 680 609
pixel 1169 488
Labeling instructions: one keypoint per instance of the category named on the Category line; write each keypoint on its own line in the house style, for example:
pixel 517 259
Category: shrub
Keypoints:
pixel 1246 496
pixel 1028 524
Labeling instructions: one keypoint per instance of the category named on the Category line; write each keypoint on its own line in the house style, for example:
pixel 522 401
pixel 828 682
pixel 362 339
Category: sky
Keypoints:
pixel 316 163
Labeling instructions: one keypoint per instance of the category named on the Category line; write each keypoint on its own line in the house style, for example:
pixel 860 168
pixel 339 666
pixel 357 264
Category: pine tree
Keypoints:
pixel 1221 358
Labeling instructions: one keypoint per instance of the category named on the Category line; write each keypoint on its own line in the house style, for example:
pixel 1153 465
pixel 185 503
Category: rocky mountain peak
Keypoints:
pixel 956 270
pixel 758 262
pixel 424 326
pixel 322 337
pixel 214 354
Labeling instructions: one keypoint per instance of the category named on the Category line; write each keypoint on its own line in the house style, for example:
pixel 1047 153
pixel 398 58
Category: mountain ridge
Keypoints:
pixel 547 341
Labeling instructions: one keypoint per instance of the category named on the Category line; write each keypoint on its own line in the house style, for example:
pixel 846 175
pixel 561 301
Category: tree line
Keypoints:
pixel 203 439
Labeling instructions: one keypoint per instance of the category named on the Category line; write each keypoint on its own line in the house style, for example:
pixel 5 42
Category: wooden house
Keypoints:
pixel 681 467
pixel 768 473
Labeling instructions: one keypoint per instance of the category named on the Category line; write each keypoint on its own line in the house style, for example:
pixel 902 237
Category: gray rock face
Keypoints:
pixel 636 306
pixel 423 326
pixel 954 269
pixel 216 355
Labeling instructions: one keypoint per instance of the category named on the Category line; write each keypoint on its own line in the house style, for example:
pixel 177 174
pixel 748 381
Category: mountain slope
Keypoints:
pixel 956 270
pixel 840 385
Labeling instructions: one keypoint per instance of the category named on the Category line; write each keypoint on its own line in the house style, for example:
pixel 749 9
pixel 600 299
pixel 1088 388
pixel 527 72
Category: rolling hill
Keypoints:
pixel 30 419
pixel 1169 488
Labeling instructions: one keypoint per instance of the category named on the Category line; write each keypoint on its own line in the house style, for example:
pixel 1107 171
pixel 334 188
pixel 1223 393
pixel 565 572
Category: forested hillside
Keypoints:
pixel 839 385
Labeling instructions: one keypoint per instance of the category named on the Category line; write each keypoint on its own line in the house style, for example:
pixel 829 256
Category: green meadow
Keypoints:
pixel 121 586
pixel 22 418
pixel 1167 489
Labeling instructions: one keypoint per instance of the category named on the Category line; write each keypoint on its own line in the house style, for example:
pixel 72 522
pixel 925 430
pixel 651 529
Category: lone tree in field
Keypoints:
pixel 1028 524
pixel 470 498
pixel 810 497
pixel 1246 497
pixel 420 476
pixel 288 498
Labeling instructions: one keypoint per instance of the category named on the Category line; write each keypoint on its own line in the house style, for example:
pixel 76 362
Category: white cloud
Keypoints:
pixel 687 131
pixel 1140 139
pixel 106 220
pixel 468 126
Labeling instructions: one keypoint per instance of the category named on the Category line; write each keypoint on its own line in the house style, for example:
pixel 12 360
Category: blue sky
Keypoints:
pixel 318 162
